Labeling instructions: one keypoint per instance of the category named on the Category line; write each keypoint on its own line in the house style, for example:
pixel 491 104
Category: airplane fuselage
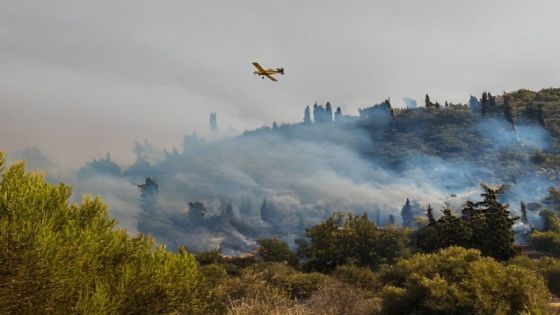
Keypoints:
pixel 270 71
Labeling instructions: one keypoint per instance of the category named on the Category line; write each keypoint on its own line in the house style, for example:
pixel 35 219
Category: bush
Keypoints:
pixel 551 221
pixel 276 250
pixel 57 257
pixel 459 281
pixel 548 267
pixel 345 238
pixel 301 285
pixel 267 301
pixel 336 297
pixel 552 277
pixel 361 277
pixel 547 242
pixel 210 257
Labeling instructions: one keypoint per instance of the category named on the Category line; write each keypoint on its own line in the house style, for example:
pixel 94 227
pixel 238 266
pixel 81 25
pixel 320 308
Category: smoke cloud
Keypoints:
pixel 226 191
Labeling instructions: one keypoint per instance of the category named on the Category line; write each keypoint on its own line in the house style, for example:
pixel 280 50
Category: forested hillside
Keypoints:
pixel 450 209
pixel 276 181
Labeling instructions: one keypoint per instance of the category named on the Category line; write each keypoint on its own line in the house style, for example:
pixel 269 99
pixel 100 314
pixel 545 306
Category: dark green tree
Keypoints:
pixel 148 195
pixel 328 108
pixel 474 104
pixel 346 238
pixel 508 113
pixel 307 116
pixel 197 212
pixel 484 225
pixel 228 211
pixel 524 218
pixel 430 215
pixel 495 237
pixel 392 220
pixel 407 214
pixel 148 204
pixel 428 103
pixel 268 212
pixel 484 104
pixel 273 249
pixel 338 114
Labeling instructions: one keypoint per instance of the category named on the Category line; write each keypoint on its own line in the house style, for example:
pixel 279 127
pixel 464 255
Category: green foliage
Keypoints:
pixel 63 258
pixel 484 225
pixel 267 301
pixel 361 277
pixel 210 257
pixel 552 277
pixel 301 285
pixel 548 267
pixel 551 221
pixel 541 107
pixel 345 238
pixel 260 277
pixel 214 273
pixel 277 250
pixel 407 214
pixel 546 242
pixel 460 281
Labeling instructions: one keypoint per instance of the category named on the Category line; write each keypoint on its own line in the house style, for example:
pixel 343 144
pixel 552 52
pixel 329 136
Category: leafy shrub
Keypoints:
pixel 345 238
pixel 301 285
pixel 214 273
pixel 267 301
pixel 547 242
pixel 551 221
pixel 335 297
pixel 57 257
pixel 276 250
pixel 361 277
pixel 460 281
pixel 548 267
pixel 210 257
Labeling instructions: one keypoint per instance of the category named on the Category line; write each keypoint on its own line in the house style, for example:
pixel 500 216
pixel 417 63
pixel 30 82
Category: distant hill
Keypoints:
pixel 278 180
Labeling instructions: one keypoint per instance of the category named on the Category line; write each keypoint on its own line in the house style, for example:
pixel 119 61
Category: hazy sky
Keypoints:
pixel 80 78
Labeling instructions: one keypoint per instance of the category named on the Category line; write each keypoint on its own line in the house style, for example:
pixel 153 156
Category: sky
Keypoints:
pixel 79 79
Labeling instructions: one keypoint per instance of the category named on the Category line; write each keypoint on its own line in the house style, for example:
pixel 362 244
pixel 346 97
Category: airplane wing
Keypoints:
pixel 256 64
pixel 270 77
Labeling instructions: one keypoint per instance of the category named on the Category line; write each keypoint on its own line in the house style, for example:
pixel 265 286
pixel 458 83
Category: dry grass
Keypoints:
pixel 336 297
pixel 270 301
pixel 333 298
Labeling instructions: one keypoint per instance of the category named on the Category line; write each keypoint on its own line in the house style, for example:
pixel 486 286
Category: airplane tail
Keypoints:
pixel 281 70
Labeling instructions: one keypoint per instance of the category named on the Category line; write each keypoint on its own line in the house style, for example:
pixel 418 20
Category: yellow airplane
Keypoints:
pixel 267 72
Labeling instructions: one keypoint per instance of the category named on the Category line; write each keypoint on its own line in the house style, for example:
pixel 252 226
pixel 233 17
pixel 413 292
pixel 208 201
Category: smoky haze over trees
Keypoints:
pixel 274 182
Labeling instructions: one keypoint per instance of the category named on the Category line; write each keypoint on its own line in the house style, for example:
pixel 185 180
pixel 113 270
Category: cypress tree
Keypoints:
pixel 329 112
pixel 494 235
pixel 508 113
pixel 307 116
pixel 338 114
pixel 430 215
pixel 407 214
pixel 524 213
pixel 484 105
pixel 427 102
pixel 148 193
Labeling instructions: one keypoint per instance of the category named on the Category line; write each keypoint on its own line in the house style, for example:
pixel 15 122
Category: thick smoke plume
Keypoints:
pixel 227 192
